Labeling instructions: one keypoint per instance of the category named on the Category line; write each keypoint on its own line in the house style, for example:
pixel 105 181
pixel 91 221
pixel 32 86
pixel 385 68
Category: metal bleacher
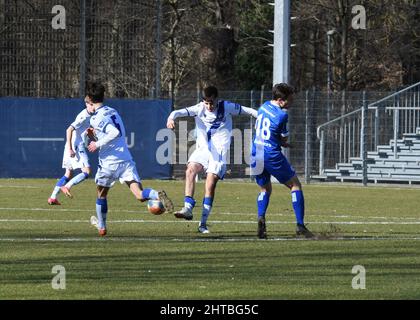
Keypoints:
pixel 394 136
pixel 382 166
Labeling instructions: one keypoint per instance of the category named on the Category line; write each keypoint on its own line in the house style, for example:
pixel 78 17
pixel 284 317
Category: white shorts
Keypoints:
pixel 212 163
pixel 124 171
pixel 79 161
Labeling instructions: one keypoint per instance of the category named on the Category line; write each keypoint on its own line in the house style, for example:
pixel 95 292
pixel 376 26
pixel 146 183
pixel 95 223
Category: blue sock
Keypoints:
pixel 62 181
pixel 150 194
pixel 101 211
pixel 77 179
pixel 262 203
pixel 298 205
pixel 189 203
pixel 207 204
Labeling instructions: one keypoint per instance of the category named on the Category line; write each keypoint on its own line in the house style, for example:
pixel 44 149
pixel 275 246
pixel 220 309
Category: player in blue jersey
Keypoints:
pixel 268 160
pixel 115 161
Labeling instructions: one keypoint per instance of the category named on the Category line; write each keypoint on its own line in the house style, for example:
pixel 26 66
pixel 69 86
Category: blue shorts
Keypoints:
pixel 278 168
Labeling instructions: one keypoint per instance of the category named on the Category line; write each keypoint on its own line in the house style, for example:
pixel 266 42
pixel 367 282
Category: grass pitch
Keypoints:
pixel 160 257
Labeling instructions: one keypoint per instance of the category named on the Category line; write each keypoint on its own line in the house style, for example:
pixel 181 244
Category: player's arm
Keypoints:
pixel 185 112
pixel 237 110
pixel 111 133
pixel 69 136
pixel 249 111
pixel 284 143
pixel 284 133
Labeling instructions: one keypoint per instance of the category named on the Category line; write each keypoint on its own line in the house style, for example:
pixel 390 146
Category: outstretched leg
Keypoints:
pixel 76 180
pixel 149 194
pixel 52 200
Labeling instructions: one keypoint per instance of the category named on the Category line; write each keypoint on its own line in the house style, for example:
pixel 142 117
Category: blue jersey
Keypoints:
pixel 267 158
pixel 270 128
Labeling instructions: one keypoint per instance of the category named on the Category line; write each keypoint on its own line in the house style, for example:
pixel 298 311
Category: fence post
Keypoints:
pixel 396 125
pixel 158 48
pixel 250 137
pixel 307 173
pixel 82 53
pixel 376 133
pixel 321 153
pixel 363 142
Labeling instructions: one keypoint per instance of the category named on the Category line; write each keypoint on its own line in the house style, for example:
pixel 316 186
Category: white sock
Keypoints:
pixel 55 192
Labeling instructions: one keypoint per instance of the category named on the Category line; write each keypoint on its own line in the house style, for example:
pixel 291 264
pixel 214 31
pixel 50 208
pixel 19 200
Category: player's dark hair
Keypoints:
pixel 95 91
pixel 282 91
pixel 210 91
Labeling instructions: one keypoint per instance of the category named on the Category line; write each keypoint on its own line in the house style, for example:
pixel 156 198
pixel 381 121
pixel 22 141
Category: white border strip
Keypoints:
pixel 40 139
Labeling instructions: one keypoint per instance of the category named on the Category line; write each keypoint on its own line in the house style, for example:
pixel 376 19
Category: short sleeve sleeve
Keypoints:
pixel 80 120
pixel 233 108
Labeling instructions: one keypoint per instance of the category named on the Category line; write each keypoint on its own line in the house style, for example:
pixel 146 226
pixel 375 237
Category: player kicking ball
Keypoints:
pixel 74 157
pixel 271 134
pixel 115 161
pixel 213 120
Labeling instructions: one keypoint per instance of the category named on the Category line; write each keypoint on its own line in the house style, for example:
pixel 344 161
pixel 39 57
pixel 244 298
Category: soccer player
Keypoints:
pixel 213 120
pixel 74 157
pixel 115 161
pixel 272 134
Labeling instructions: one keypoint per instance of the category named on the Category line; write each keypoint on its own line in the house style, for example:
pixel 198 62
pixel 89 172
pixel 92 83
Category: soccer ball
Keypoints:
pixel 155 207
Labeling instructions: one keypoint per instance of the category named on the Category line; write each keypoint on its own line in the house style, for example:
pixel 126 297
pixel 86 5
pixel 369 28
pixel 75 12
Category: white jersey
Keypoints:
pixel 80 124
pixel 116 150
pixel 214 128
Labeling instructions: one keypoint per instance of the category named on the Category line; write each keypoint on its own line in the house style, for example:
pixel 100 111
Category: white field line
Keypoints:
pixel 216 222
pixel 250 214
pixel 39 139
pixel 206 239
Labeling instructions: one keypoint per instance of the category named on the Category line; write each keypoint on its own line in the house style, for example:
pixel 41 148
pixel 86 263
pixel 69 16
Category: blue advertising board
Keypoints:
pixel 33 130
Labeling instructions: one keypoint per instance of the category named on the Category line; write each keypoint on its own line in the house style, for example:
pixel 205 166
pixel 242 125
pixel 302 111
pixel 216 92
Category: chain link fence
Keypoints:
pixel 111 41
pixel 310 110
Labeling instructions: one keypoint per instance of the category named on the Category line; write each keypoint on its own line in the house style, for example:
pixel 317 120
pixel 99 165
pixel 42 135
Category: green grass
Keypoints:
pixel 159 257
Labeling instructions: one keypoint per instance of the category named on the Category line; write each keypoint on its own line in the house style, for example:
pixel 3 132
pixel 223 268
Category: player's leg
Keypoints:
pixel 52 200
pixel 298 203
pixel 263 200
pixel 211 182
pixel 105 178
pixel 193 169
pixel 131 177
pixel 216 170
pixel 76 180
pixel 101 209
pixel 79 161
pixel 141 194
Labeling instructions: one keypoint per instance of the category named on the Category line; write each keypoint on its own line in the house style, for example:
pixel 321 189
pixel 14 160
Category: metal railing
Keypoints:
pixel 403 107
pixel 352 134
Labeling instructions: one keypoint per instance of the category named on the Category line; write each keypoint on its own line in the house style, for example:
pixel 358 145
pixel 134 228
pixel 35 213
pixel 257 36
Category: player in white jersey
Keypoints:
pixel 74 157
pixel 115 161
pixel 213 120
